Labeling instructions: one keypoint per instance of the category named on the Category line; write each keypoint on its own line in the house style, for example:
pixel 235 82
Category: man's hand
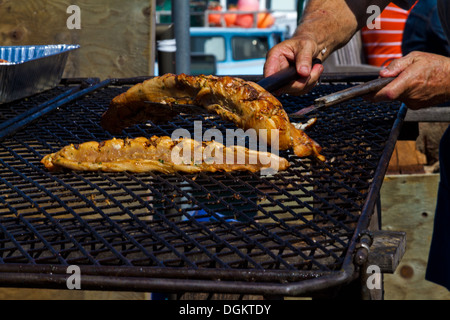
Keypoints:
pixel 300 51
pixel 325 26
pixel 423 80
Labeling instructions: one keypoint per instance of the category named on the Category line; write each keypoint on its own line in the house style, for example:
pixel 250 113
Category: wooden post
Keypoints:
pixel 117 38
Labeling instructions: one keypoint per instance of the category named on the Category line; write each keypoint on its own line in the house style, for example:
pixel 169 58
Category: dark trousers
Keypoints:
pixel 438 269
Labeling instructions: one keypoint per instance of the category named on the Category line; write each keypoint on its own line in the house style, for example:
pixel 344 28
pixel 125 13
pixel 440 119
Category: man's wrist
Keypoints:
pixel 329 33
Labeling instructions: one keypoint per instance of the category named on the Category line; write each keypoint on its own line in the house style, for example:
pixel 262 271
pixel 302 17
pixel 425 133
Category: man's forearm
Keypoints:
pixel 332 23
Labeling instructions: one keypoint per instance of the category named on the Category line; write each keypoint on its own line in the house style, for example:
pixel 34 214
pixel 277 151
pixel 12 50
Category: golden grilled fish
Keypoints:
pixel 161 154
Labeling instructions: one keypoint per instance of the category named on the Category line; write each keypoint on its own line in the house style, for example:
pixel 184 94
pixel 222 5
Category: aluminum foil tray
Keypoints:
pixel 31 69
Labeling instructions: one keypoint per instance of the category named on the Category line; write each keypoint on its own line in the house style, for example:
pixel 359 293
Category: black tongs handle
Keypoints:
pixel 282 78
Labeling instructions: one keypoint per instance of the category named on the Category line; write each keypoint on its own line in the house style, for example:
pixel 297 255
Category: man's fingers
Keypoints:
pixel 398 66
pixel 390 92
pixel 316 72
pixel 301 51
pixel 279 58
pixel 274 63
pixel 303 84
pixel 304 59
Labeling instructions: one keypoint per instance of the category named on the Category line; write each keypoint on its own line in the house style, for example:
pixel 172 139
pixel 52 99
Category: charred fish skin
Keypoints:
pixel 244 103
pixel 161 154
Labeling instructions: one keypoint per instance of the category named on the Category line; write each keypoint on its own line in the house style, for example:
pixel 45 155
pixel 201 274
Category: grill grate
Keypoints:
pixel 10 110
pixel 296 224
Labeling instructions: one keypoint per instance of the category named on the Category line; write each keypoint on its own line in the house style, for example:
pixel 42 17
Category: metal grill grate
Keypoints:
pixel 294 225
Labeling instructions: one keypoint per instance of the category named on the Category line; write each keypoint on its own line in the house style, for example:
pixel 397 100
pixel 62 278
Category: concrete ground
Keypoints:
pixel 408 203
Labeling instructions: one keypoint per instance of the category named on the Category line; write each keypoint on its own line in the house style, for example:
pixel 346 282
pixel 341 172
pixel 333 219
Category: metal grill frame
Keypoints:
pixel 171 279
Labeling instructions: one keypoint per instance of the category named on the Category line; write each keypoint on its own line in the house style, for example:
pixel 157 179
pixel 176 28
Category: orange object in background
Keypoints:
pixel 244 20
pixel 265 20
pixel 215 19
pixel 230 18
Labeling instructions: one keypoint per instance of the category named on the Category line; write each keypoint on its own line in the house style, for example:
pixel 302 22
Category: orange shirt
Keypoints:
pixel 382 45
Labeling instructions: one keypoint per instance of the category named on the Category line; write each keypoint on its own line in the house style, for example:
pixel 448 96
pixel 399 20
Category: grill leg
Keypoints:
pixel 372 287
pixel 369 284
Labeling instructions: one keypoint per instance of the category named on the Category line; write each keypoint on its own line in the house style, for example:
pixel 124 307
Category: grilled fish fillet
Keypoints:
pixel 161 154
pixel 244 103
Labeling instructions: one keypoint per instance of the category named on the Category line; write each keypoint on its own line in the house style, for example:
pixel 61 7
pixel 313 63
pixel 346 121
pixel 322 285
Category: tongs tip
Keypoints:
pixel 302 112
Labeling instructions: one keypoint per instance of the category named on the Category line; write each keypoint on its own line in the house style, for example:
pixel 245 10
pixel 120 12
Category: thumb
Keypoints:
pixel 304 59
